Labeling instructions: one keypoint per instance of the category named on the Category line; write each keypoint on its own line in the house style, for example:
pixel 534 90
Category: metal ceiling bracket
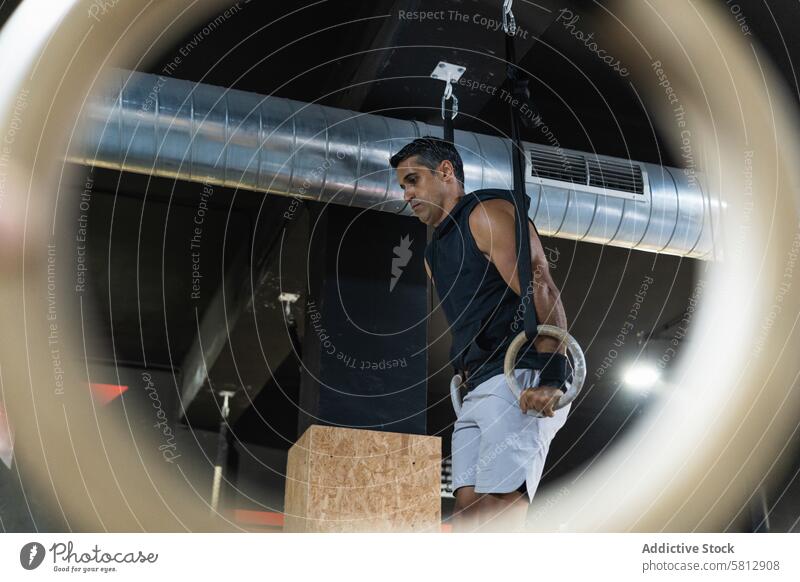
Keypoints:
pixel 449 73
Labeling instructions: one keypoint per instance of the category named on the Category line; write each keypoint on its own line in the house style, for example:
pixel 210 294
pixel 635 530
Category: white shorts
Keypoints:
pixel 495 446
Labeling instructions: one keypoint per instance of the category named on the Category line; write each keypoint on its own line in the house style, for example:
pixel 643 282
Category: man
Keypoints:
pixel 498 451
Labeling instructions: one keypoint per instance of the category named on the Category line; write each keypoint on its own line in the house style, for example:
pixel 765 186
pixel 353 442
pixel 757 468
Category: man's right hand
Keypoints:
pixel 542 399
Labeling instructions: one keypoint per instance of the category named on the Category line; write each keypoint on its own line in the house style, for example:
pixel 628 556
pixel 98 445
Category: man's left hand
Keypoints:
pixel 542 399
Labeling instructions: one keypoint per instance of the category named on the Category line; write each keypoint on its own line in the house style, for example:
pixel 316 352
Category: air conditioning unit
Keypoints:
pixel 590 173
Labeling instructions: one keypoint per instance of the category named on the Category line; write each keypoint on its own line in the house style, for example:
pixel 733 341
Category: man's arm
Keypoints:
pixel 493 228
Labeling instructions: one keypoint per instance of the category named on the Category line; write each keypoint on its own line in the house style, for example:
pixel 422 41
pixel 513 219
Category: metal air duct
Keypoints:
pixel 159 125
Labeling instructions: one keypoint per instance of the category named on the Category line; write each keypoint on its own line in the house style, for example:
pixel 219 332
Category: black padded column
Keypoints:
pixel 364 346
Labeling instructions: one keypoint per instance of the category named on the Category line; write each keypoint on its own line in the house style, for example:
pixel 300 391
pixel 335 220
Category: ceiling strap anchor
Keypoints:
pixel 449 73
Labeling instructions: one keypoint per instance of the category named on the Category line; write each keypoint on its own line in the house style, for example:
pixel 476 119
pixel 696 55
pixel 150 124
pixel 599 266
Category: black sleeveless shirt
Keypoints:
pixel 484 313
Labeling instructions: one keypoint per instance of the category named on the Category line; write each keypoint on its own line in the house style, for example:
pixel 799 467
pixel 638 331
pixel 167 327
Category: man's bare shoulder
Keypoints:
pixel 490 213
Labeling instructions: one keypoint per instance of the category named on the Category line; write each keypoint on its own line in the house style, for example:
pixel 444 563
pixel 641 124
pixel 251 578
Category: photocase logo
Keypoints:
pixel 402 254
pixel 31 555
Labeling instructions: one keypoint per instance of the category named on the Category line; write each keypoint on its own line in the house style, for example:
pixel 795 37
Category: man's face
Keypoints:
pixel 424 189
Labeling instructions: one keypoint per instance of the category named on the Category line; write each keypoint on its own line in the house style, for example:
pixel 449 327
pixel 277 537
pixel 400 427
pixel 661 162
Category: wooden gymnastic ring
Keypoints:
pixel 455 393
pixel 574 350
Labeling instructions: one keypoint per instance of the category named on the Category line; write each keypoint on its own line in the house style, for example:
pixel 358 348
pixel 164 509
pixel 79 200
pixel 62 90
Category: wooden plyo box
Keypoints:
pixel 343 479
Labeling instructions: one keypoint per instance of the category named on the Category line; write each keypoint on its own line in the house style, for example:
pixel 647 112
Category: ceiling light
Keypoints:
pixel 641 376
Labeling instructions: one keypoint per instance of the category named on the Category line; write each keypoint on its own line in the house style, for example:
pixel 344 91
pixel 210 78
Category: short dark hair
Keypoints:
pixel 431 151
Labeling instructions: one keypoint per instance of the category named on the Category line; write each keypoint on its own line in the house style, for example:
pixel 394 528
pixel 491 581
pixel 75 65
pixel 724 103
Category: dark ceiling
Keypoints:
pixel 367 57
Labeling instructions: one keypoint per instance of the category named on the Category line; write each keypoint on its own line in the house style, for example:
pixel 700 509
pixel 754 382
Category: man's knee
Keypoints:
pixel 466 499
pixel 500 501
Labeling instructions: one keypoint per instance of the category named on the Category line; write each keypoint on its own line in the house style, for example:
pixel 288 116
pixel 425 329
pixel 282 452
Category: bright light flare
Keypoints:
pixel 641 376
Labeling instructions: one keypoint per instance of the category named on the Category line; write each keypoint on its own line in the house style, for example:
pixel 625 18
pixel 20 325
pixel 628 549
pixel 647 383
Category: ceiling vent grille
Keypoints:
pixel 575 168
pixel 611 175
pixel 555 164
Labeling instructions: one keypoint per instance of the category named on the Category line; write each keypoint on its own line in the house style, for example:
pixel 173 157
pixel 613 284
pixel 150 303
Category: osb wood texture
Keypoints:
pixel 342 479
pixel 295 495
